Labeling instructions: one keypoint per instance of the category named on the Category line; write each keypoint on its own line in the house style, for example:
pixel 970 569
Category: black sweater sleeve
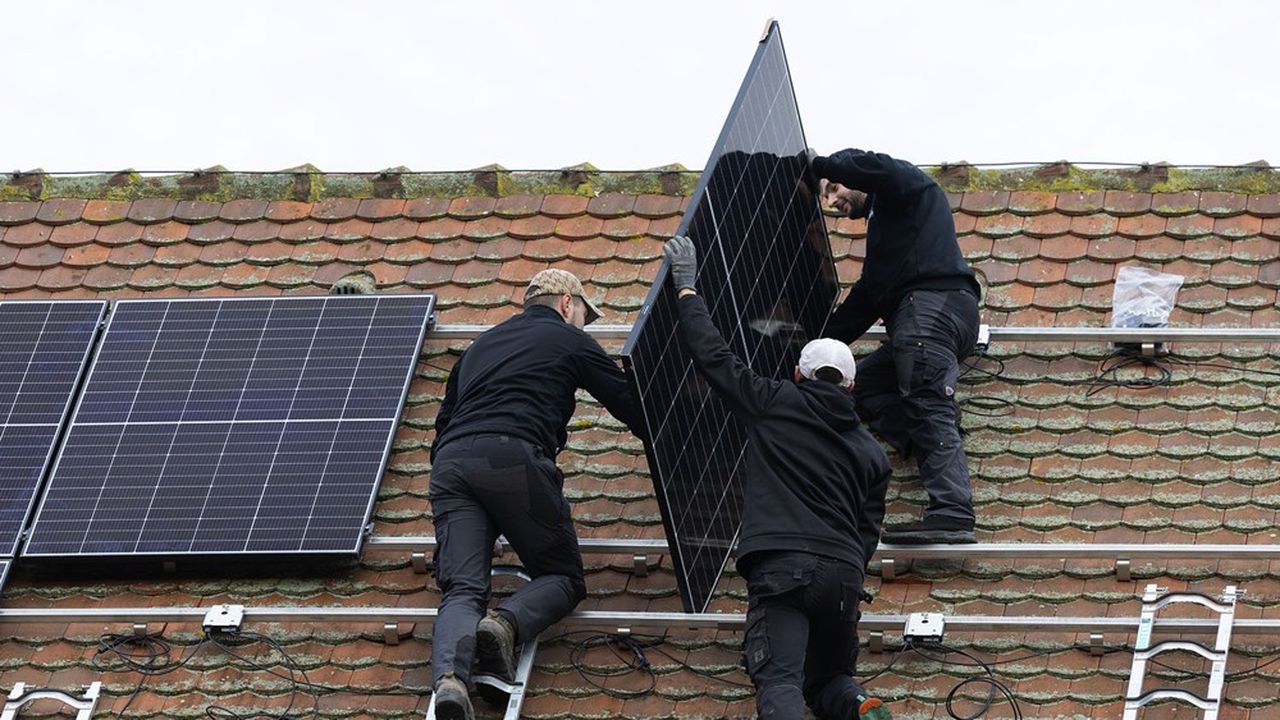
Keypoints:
pixel 599 375
pixel 447 405
pixel 871 172
pixel 854 316
pixel 745 392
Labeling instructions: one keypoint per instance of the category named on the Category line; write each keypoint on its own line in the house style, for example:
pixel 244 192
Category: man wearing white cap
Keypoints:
pixel 501 425
pixel 814 498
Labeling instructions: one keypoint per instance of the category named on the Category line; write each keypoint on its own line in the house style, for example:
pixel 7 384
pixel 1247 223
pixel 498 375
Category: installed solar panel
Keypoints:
pixel 43 350
pixel 766 273
pixel 240 425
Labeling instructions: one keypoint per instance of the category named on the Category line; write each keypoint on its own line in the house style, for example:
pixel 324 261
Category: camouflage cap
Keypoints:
pixel 560 282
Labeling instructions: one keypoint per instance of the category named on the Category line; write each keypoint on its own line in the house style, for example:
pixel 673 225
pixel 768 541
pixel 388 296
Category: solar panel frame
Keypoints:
pixel 4 572
pixel 401 398
pixel 96 310
pixel 728 314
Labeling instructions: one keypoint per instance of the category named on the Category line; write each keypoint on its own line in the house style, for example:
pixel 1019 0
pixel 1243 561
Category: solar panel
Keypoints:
pixel 4 573
pixel 767 275
pixel 230 426
pixel 43 350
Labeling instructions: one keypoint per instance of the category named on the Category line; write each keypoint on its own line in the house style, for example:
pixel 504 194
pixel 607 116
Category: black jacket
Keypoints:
pixel 519 379
pixel 911 238
pixel 815 478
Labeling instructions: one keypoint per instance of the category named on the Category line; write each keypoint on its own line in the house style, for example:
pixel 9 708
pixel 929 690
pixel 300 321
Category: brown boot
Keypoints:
pixel 453 702
pixel 496 646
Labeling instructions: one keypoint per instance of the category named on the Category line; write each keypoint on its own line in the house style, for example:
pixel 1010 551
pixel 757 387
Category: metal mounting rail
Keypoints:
pixel 1009 334
pixel 420 546
pixel 616 620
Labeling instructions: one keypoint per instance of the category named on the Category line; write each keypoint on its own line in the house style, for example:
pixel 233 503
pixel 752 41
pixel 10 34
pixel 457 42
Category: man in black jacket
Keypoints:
pixel 916 279
pixel 498 432
pixel 814 499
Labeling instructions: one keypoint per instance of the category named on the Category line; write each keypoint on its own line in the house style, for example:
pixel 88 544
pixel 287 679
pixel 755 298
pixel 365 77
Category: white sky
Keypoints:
pixel 266 85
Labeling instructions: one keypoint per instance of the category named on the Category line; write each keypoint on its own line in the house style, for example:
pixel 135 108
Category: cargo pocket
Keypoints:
pixel 755 643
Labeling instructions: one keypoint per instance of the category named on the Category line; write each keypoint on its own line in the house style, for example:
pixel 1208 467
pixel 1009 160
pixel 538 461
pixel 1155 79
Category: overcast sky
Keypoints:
pixel 266 85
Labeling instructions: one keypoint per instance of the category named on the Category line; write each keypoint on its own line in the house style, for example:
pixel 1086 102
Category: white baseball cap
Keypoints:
pixel 825 352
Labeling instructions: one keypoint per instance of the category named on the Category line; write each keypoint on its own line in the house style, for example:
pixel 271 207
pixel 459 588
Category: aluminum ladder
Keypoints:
pixel 1155 599
pixel 493 688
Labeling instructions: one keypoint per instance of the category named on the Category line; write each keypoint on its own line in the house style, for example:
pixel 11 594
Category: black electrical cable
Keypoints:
pixel 149 656
pixel 218 712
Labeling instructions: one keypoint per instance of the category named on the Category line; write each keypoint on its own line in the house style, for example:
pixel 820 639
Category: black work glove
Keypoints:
pixel 808 174
pixel 684 262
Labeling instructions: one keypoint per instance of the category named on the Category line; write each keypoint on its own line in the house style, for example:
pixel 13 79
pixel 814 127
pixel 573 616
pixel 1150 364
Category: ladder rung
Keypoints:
pixel 1187 645
pixel 1171 694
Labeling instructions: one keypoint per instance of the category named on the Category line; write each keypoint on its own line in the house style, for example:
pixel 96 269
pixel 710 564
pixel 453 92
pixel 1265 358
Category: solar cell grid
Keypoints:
pixel 233 426
pixel 43 350
pixel 766 273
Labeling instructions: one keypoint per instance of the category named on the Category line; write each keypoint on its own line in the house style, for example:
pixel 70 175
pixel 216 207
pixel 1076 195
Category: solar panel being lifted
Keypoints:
pixel 227 426
pixel 43 350
pixel 767 275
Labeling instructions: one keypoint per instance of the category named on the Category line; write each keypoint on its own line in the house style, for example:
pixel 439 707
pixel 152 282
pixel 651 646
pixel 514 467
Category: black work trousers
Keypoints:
pixel 483 486
pixel 801 642
pixel 905 392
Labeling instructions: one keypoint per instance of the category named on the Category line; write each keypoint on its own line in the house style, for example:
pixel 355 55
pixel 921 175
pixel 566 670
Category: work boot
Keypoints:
pixel 452 700
pixel 496 646
pixel 872 709
pixel 929 531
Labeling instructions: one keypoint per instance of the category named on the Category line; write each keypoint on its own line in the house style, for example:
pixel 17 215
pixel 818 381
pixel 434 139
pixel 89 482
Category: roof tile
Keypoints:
pixel 60 278
pixel 1264 205
pixel 101 212
pixel 476 272
pixel 1269 274
pixel 348 230
pixel 244 210
pixel 518 272
pixel 335 209
pixel 973 247
pixel 1080 203
pixel 580 227
pixel 985 202
pixel 315 253
pixel 223 253
pixel 453 251
pixel 471 207
pixel 287 210
pixel 86 256
pixel 1141 226
pixel 210 232
pixel 18 213
pixel 1089 273
pixel 196 211
pixel 38 256
pixel 532 228
pixel 362 252
pixel 198 277
pixel 640 249
pixel 290 275
pixel 245 276
pixel 613 273
pixel 1025 202
pixel 152 210
pixel 1019 247
pixel 106 277
pixel 486 227
pixel 664 228
pixel 7 253
pixel 657 206
pixel 256 231
pixel 60 211
pixel 1189 226
pixel 303 230
pixel 27 235
pixel 17 279
pixel 73 234
pixel 374 209
pixel 1000 225
pixel 131 256
pixel 429 275
pixel 443 228
pixel 125 233
pixel 393 230
pixel 152 277
pixel 1093 226
pixel 1067 247
pixel 563 206
pixel 268 253
pixel 1125 203
pixel 1047 225
pixel 1256 249
pixel 387 275
pixel 1159 249
pixel 1056 297
pixel 165 233
pixel 1222 204
pixel 1238 226
pixel 503 247
pixel 611 205
pixel 177 255
pixel 547 249
pixel 426 208
pixel 408 252
pixel 518 206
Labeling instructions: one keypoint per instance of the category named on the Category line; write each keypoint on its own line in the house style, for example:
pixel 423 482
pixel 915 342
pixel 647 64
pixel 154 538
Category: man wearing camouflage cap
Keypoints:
pixel 498 432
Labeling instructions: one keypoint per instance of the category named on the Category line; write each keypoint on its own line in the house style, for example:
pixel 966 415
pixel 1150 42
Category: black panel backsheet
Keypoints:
pixel 766 273
pixel 44 347
pixel 256 425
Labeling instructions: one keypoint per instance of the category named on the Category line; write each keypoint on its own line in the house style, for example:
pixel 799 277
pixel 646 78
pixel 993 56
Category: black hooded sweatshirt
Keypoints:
pixel 911 238
pixel 815 479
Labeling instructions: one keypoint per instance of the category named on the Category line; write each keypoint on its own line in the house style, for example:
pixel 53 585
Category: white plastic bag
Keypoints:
pixel 1143 298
